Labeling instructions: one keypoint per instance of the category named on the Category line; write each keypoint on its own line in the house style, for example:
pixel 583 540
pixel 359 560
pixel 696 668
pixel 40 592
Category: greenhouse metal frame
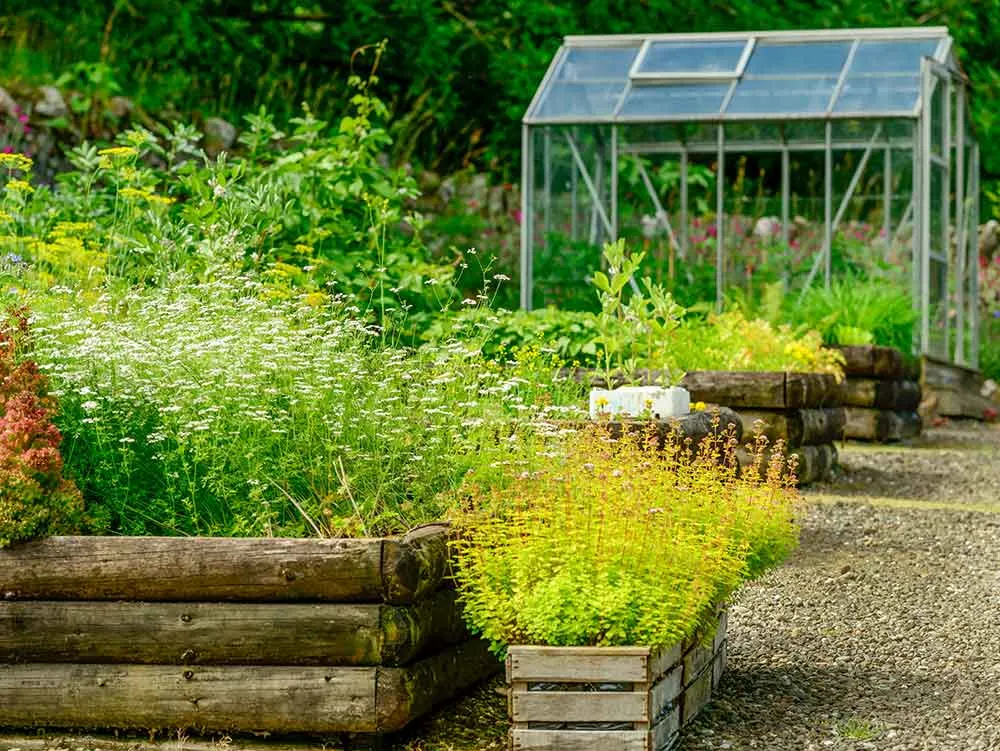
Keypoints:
pixel 897 93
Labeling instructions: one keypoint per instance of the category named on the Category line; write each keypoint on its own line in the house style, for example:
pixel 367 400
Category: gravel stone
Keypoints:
pixel 883 630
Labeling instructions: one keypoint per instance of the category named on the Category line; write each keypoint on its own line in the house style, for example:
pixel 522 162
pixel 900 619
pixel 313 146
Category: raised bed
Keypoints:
pixel 954 391
pixel 881 395
pixel 610 698
pixel 231 635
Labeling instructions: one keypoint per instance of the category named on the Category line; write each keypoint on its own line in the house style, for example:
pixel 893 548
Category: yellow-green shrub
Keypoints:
pixel 618 543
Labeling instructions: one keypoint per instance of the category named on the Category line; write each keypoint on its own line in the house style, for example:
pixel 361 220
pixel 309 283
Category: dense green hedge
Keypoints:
pixel 459 72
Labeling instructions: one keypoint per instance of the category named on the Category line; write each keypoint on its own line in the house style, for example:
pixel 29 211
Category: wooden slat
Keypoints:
pixel 249 699
pixel 193 569
pixel 580 706
pixel 666 692
pixel 881 425
pixel 226 633
pixel 406 693
pixel 663 660
pixel 579 664
pixel 938 373
pixel 859 360
pixel 952 403
pixel 579 740
pixel 696 696
pixel 737 389
pixel 888 363
pixel 821 426
pixel 873 361
pixel 869 392
pixel 775 425
pixel 663 736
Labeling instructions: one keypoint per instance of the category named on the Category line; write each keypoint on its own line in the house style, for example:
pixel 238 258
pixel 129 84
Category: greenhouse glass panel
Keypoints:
pixel 674 99
pixel 579 98
pixel 868 93
pixel 769 96
pixel 597 64
pixel 805 59
pixel 692 57
pixel 893 57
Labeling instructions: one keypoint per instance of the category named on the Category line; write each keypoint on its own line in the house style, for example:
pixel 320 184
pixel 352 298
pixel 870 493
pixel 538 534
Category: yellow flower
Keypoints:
pixel 602 402
pixel 304 249
pixel 144 195
pixel 16 161
pixel 118 151
pixel 698 407
pixel 5 217
pixel 315 299
pixel 64 229
pixel 20 186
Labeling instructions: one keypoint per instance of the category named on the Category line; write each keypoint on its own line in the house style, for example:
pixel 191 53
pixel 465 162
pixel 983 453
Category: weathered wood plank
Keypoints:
pixel 580 706
pixel 579 740
pixel 694 427
pixel 663 736
pixel 940 374
pixel 195 569
pixel 579 664
pixel 737 389
pixel 814 462
pixel 953 403
pixel 406 693
pixel 248 699
pixel 873 361
pixel 416 564
pixel 897 395
pixel 665 693
pixel 226 633
pixel 804 390
pixel 796 427
pixel 881 425
pixel 908 396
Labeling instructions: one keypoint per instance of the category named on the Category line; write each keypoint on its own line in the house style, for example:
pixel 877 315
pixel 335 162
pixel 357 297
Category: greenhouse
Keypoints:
pixel 742 163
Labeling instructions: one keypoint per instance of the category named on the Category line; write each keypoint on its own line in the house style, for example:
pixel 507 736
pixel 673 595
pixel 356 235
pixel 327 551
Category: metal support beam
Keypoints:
pixel 720 218
pixel 589 183
pixel 574 199
pixel 661 213
pixel 887 200
pixel 786 196
pixel 527 177
pixel 828 205
pixel 961 253
pixel 925 209
pixel 684 205
pixel 547 185
pixel 946 213
pixel 614 183
pixel 974 256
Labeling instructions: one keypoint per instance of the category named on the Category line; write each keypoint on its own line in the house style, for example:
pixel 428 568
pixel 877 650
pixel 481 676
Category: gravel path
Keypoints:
pixel 883 630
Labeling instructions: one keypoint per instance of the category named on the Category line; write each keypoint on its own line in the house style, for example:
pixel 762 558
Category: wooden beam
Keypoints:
pixel 203 569
pixel 881 425
pixel 227 633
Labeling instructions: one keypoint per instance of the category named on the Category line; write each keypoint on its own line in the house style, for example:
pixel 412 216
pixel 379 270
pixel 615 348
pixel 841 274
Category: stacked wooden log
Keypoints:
pixel 232 635
pixel 955 391
pixel 801 409
pixel 880 394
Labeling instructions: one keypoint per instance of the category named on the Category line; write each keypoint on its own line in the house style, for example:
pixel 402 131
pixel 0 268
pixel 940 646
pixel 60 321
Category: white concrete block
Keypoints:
pixel 640 401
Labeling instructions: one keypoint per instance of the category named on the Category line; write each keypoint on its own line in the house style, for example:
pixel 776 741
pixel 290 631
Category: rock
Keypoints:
pixel 7 104
pixel 120 107
pixel 52 103
pixel 989 238
pixel 220 136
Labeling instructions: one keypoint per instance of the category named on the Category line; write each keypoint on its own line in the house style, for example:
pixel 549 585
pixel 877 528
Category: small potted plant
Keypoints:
pixel 602 577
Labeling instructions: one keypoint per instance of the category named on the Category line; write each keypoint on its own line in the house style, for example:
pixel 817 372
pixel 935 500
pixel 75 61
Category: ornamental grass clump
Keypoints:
pixel 616 542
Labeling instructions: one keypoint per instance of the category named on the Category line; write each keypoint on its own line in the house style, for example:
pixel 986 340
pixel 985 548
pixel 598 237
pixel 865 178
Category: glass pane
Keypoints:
pixel 676 99
pixel 866 93
pixel 597 63
pixel 693 57
pixel 774 96
pixel 892 57
pixel 572 99
pixel 807 59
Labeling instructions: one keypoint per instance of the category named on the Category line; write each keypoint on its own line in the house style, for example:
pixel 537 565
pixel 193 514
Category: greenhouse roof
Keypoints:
pixel 843 74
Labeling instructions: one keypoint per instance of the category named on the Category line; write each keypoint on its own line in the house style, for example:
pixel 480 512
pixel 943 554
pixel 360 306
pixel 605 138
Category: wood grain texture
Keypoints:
pixel 814 462
pixel 198 569
pixel 248 699
pixel 694 427
pixel 796 427
pixel 580 706
pixel 940 374
pixel 803 390
pixel 873 361
pixel 227 633
pixel 204 569
pixel 897 395
pixel 736 389
pixel 579 664
pixel 880 425
pixel 954 403
pixel 579 740
pixel 406 693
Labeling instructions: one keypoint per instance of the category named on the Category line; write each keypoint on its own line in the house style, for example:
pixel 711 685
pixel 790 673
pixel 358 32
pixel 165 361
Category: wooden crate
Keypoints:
pixel 610 698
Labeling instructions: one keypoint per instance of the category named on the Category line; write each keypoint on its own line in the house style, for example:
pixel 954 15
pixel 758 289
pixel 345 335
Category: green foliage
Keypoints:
pixel 461 74
pixel 35 498
pixel 860 311
pixel 219 410
pixel 616 543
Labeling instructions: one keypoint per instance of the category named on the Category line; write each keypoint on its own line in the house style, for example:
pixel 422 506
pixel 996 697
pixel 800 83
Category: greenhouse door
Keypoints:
pixel 935 292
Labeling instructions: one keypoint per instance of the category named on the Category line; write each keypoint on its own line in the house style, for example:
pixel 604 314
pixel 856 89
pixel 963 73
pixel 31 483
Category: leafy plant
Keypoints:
pixel 617 543
pixel 35 498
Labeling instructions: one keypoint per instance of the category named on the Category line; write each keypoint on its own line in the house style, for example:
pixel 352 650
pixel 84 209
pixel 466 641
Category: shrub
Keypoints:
pixel 614 543
pixel 35 498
